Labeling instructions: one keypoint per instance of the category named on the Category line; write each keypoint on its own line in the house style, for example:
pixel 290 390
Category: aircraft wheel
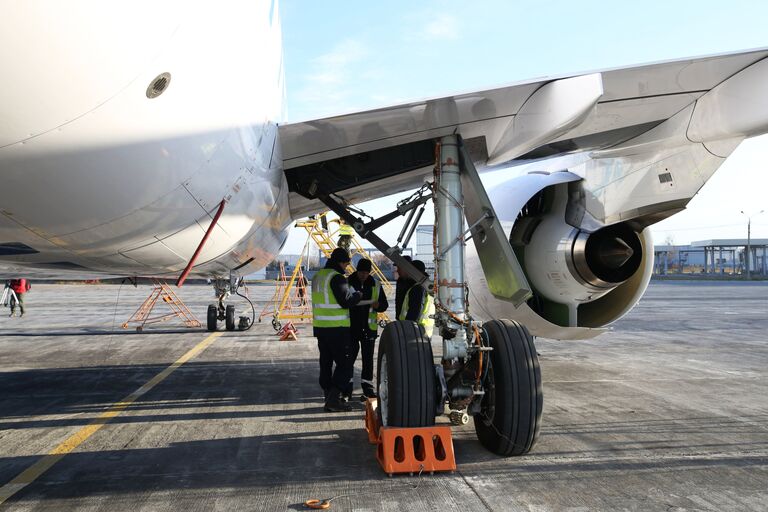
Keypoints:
pixel 405 377
pixel 230 317
pixel 213 314
pixel 510 417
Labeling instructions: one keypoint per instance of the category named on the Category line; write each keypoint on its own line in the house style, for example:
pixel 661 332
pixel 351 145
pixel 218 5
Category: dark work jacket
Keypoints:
pixel 345 296
pixel 359 314
pixel 416 295
pixel 401 287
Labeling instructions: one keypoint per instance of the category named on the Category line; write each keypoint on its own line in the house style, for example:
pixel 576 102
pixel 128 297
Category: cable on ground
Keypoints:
pixel 241 282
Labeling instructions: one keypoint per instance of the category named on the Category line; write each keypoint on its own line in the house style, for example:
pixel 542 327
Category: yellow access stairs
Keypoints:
pixel 324 239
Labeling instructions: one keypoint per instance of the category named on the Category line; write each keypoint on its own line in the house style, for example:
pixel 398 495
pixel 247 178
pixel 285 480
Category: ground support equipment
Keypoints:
pixel 8 297
pixel 288 332
pixel 324 239
pixel 409 450
pixel 287 302
pixel 163 292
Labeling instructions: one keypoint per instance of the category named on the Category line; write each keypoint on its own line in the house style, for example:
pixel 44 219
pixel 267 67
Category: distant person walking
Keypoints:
pixel 20 287
pixel 301 287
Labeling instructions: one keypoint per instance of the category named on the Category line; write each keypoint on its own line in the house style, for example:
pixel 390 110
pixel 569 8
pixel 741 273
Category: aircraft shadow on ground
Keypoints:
pixel 247 389
pixel 286 391
pixel 318 459
pixel 257 461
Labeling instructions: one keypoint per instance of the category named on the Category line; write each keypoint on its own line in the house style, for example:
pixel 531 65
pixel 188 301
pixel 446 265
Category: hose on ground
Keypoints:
pixel 253 308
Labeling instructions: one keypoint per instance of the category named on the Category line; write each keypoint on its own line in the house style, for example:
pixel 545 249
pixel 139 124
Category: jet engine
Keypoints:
pixel 583 273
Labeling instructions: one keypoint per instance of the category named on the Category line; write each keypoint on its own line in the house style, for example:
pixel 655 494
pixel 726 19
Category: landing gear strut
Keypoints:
pixel 488 371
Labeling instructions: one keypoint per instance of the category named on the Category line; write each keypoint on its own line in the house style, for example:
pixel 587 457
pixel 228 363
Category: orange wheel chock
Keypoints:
pixel 288 332
pixel 412 450
pixel 409 450
pixel 372 420
pixel 317 504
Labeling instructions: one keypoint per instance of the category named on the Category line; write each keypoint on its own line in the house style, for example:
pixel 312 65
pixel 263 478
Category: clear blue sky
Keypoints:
pixel 345 55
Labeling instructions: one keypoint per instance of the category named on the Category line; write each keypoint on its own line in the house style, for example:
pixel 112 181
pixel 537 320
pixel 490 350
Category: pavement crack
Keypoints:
pixel 479 496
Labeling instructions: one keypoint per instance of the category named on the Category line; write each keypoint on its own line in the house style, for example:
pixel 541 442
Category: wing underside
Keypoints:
pixel 372 154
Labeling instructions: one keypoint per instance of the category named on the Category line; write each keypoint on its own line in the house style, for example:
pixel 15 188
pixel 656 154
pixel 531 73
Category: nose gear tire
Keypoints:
pixel 510 418
pixel 212 318
pixel 230 317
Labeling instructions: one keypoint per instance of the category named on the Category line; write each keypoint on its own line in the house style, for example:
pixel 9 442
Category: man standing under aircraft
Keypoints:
pixel 402 284
pixel 331 300
pixel 418 305
pixel 365 326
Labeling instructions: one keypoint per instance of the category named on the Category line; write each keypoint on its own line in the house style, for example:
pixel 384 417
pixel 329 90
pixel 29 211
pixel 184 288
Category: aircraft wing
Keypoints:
pixel 365 155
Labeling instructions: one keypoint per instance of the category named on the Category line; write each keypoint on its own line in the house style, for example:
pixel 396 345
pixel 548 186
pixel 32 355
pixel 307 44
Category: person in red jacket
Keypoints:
pixel 19 287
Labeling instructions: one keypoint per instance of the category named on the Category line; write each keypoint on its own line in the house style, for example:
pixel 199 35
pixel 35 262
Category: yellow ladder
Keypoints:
pixel 291 298
pixel 324 239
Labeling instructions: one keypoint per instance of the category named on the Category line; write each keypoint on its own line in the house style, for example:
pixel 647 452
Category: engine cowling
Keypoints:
pixel 571 266
pixel 583 274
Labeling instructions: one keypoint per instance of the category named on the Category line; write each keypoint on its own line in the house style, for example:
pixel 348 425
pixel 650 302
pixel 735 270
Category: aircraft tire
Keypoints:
pixel 509 421
pixel 230 317
pixel 212 317
pixel 405 376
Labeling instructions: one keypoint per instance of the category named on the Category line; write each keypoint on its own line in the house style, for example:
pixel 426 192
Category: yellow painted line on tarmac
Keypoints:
pixel 31 474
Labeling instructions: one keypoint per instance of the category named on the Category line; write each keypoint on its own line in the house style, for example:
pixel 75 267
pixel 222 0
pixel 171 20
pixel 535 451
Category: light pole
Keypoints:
pixel 748 255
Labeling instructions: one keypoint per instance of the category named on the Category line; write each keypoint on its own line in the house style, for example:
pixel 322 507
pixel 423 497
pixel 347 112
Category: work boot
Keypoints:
pixel 334 403
pixel 368 392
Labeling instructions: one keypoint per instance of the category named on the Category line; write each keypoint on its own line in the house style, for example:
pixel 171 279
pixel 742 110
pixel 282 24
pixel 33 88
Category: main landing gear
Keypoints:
pixel 220 312
pixel 489 371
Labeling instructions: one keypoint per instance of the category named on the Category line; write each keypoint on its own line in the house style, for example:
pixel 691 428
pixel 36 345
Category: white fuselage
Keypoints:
pixel 99 176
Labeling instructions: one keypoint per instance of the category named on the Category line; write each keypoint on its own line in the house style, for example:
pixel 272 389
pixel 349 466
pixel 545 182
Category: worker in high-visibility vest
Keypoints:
pixel 345 235
pixel 418 305
pixel 331 300
pixel 365 326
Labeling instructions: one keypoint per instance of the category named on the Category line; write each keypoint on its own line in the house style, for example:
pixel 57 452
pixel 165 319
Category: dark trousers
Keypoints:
pixel 364 341
pixel 20 297
pixel 334 350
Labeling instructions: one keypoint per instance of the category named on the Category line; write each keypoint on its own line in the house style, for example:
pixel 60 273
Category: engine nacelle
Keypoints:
pixel 583 274
pixel 570 266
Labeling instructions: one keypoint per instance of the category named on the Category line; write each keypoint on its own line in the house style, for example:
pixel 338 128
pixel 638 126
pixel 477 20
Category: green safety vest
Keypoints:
pixel 326 311
pixel 426 313
pixel 346 229
pixel 373 316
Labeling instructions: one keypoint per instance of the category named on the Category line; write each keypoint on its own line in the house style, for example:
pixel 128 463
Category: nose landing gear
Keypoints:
pixel 220 312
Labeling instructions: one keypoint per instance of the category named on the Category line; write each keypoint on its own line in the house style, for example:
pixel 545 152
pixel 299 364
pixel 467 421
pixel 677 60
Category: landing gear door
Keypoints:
pixel 503 273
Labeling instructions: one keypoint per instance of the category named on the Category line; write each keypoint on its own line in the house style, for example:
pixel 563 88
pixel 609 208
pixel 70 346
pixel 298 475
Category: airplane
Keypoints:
pixel 149 141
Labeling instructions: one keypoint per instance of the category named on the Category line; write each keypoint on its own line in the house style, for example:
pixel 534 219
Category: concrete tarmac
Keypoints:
pixel 667 412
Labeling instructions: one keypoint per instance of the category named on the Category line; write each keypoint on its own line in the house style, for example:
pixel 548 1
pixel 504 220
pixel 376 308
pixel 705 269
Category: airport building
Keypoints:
pixel 713 257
